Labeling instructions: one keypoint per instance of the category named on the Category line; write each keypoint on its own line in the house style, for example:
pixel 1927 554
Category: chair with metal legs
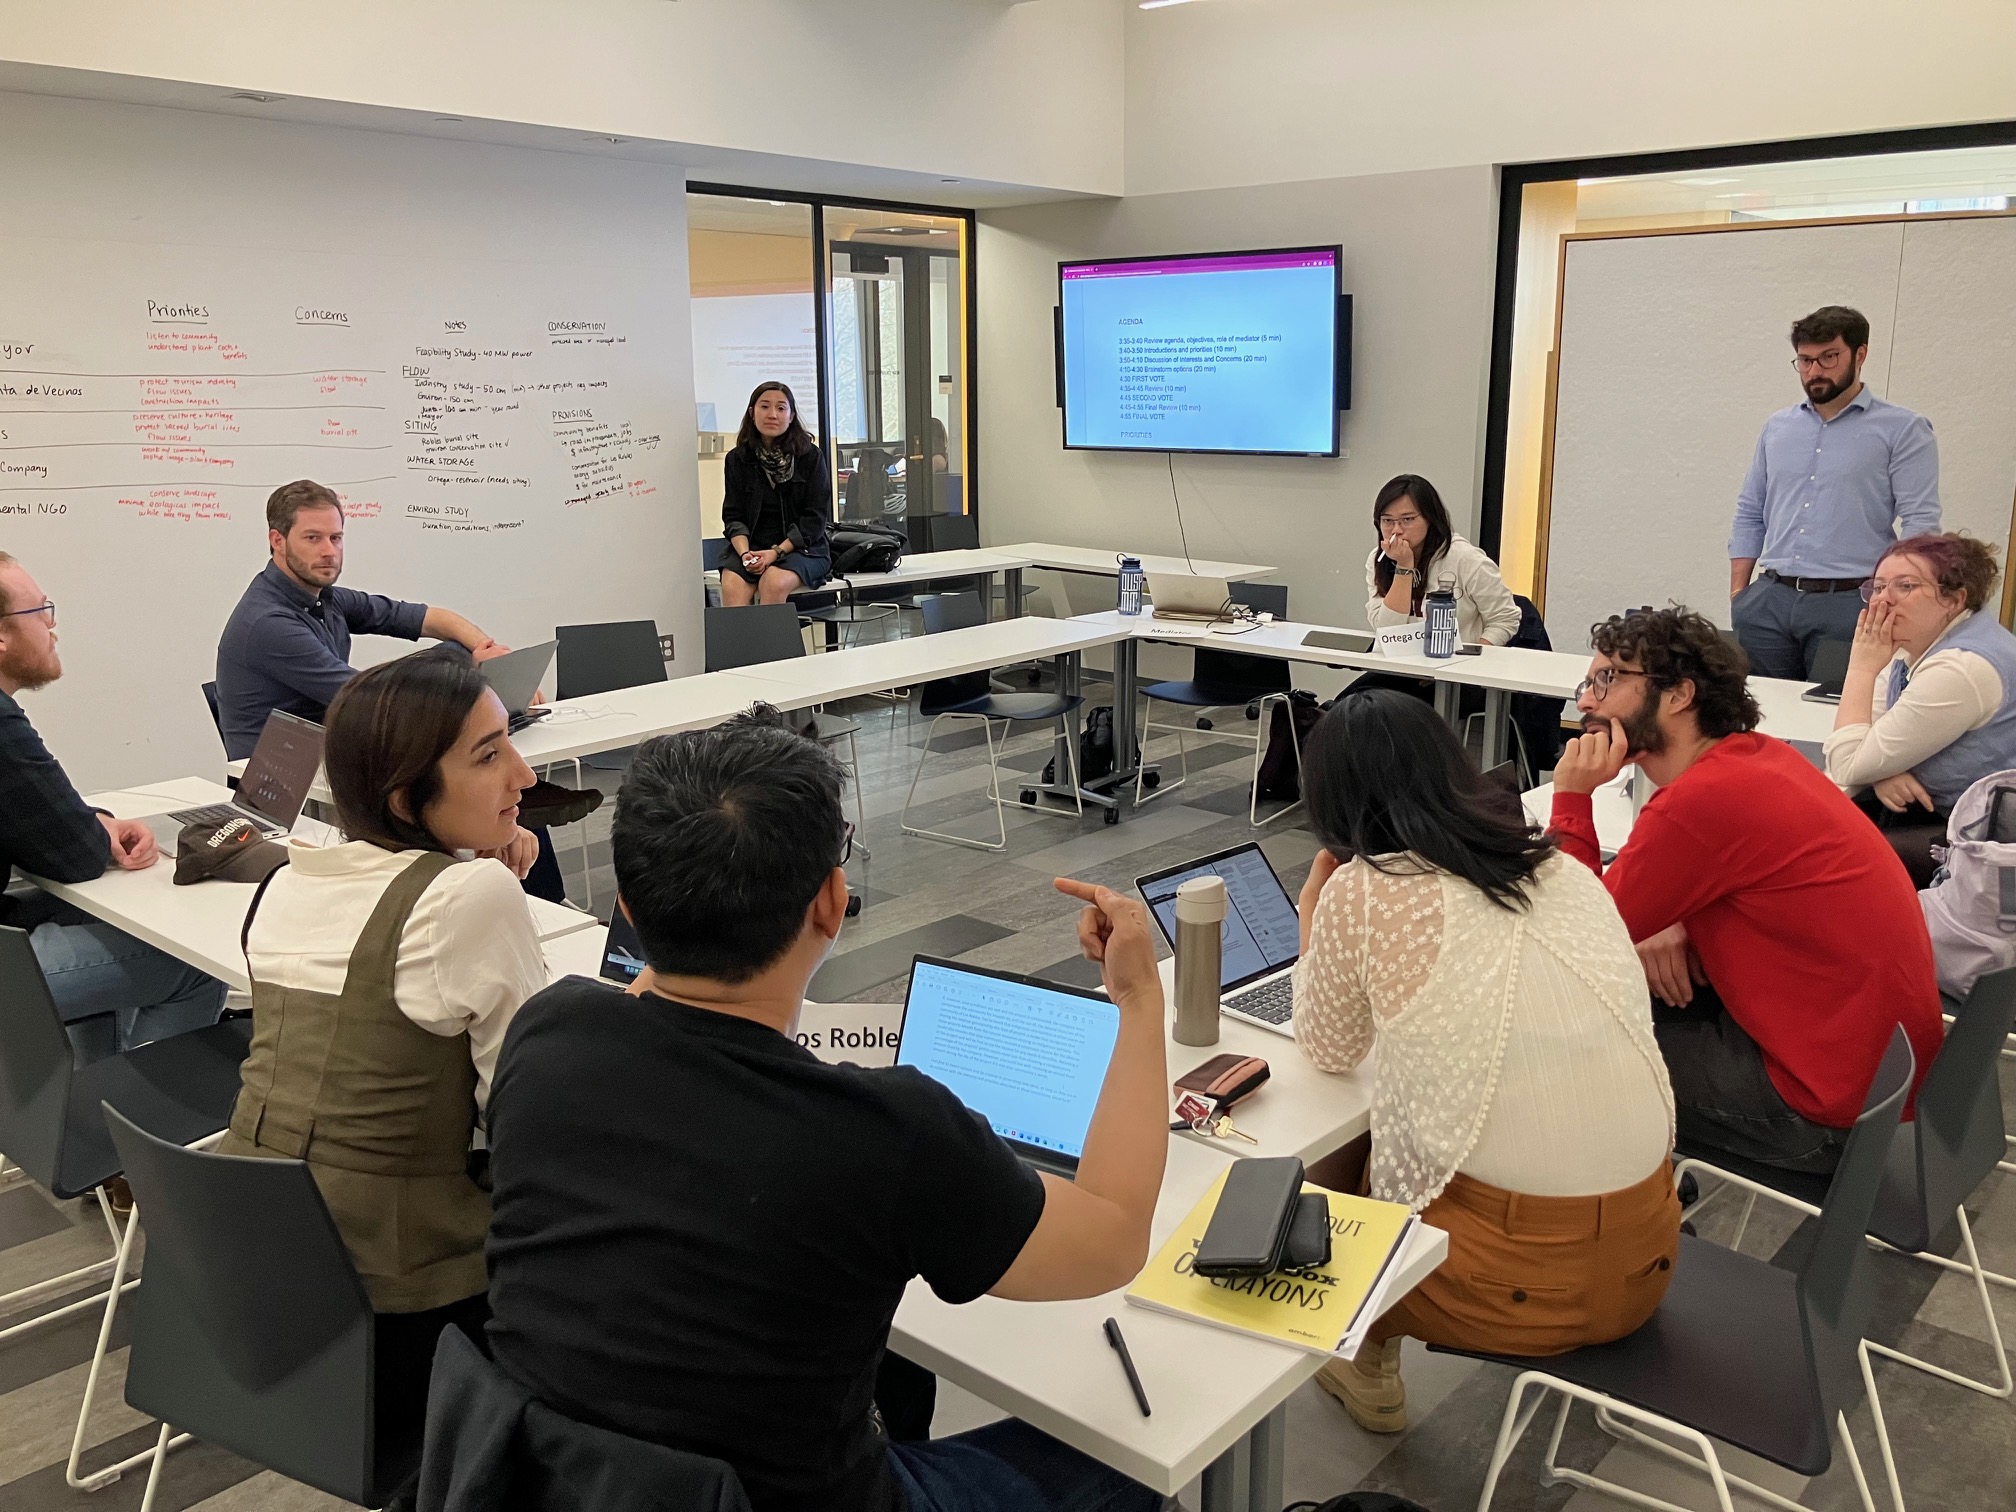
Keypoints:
pixel 754 634
pixel 1740 1352
pixel 970 696
pixel 1936 1162
pixel 254 1332
pixel 1225 679
pixel 52 1126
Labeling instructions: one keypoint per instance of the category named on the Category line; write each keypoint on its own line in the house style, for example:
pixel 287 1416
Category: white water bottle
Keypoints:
pixel 1131 580
pixel 1200 950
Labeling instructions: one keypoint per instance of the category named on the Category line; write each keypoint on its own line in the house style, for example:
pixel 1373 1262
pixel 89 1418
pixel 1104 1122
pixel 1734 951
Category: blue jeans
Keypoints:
pixel 1781 628
pixel 1011 1467
pixel 115 992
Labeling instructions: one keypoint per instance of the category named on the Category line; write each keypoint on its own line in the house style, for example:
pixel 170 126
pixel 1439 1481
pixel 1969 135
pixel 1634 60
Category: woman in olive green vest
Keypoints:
pixel 385 971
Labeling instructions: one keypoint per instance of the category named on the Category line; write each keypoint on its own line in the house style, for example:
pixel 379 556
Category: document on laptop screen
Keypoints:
pixel 1261 932
pixel 1028 1059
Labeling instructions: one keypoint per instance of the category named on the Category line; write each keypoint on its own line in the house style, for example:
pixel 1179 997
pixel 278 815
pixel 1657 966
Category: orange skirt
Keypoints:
pixel 1542 1275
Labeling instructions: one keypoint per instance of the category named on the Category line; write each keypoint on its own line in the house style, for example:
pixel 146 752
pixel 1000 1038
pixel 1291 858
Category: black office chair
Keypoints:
pixel 759 633
pixel 216 714
pixel 970 695
pixel 602 658
pixel 491 1445
pixel 711 548
pixel 254 1332
pixel 1226 679
pixel 1937 1161
pixel 51 1127
pixel 1739 1351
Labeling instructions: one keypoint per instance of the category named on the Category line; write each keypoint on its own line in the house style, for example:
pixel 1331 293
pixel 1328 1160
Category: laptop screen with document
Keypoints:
pixel 1026 1055
pixel 1262 932
pixel 282 768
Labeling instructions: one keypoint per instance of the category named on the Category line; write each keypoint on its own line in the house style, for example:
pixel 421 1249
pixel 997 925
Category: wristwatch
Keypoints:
pixel 1404 572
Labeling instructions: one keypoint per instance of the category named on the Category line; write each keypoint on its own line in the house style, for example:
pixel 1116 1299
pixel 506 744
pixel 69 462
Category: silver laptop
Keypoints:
pixel 1027 1055
pixel 1178 595
pixel 270 794
pixel 1262 936
pixel 514 677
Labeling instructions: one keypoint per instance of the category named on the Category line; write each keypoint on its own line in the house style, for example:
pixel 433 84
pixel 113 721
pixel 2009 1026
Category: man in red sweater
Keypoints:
pixel 1781 939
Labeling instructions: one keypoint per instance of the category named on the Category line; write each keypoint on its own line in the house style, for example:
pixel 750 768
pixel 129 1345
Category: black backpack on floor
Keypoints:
pixel 1359 1501
pixel 1280 777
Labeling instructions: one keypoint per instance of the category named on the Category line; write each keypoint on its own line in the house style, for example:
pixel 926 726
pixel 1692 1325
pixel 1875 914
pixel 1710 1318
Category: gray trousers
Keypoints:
pixel 1781 628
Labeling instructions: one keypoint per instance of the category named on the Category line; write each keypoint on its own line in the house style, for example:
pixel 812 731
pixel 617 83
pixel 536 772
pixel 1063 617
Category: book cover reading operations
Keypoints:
pixel 1321 1308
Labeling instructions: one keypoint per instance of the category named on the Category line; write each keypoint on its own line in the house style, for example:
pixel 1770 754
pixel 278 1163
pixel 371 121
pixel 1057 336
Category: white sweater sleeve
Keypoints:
pixel 1376 612
pixel 469 960
pixel 1951 693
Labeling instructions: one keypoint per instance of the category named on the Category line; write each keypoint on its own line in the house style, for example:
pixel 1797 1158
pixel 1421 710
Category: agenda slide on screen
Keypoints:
pixel 1226 353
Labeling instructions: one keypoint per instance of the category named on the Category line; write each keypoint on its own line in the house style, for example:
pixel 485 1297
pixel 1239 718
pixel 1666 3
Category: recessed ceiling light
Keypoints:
pixel 1159 4
pixel 948 181
pixel 447 120
pixel 612 141
pixel 254 97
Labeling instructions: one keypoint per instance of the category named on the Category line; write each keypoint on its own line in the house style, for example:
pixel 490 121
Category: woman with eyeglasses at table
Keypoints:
pixel 1416 549
pixel 777 504
pixel 385 971
pixel 1928 706
pixel 1520 1102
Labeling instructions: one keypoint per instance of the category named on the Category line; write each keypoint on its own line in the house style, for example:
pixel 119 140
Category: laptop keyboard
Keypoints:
pixel 1273 1002
pixel 217 815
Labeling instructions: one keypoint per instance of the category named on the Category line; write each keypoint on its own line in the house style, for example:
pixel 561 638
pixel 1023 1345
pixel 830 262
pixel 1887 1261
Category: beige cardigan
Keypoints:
pixel 1485 613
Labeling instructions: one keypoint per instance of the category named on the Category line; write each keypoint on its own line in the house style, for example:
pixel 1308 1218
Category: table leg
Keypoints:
pixel 1011 589
pixel 1267 1460
pixel 1497 719
pixel 1228 1481
pixel 1126 682
pixel 1448 702
pixel 987 581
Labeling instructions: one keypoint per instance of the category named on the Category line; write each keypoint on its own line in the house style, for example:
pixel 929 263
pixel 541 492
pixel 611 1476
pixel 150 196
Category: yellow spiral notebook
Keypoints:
pixel 1321 1308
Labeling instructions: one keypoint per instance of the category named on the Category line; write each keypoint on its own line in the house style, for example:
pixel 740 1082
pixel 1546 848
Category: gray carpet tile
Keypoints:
pixel 845 976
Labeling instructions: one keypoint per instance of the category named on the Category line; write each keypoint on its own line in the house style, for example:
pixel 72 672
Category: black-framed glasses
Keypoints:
pixel 47 606
pixel 1826 362
pixel 846 843
pixel 1602 680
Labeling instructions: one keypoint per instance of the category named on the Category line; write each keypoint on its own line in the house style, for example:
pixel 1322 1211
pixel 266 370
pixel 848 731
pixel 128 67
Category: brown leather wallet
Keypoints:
pixel 1225 1078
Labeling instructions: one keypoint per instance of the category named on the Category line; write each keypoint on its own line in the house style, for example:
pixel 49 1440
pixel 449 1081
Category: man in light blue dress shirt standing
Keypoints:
pixel 1834 481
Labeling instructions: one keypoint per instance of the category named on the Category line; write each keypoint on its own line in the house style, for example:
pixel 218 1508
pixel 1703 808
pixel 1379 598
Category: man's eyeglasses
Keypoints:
pixel 1602 680
pixel 47 606
pixel 1896 588
pixel 1826 362
pixel 846 844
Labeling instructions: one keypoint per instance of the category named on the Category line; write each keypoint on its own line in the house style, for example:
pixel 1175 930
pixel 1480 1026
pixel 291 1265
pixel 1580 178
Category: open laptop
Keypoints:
pixel 1262 935
pixel 622 956
pixel 1028 1056
pixel 514 678
pixel 277 777
pixel 1830 669
pixel 1181 596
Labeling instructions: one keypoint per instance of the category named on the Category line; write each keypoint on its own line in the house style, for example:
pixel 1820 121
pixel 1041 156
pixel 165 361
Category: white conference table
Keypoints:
pixel 1218 1397
pixel 1499 670
pixel 200 923
pixel 1099 562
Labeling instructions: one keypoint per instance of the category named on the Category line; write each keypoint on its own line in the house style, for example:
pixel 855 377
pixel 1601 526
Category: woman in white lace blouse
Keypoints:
pixel 1521 1103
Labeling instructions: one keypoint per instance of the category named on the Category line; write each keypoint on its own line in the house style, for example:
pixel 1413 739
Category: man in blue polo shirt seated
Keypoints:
pixel 287 646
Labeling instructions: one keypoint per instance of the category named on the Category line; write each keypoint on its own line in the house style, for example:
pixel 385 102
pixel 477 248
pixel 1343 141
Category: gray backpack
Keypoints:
pixel 1970 908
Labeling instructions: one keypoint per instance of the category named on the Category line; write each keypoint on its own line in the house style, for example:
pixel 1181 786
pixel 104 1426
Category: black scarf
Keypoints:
pixel 779 465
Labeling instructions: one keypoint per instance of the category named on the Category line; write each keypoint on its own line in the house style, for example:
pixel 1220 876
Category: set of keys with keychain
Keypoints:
pixel 1205 1095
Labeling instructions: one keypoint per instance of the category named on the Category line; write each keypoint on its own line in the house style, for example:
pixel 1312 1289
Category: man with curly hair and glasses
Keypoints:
pixel 1780 936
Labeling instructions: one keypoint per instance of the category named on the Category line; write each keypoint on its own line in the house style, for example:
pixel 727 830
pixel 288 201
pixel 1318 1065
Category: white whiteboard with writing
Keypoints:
pixel 1674 351
pixel 484 351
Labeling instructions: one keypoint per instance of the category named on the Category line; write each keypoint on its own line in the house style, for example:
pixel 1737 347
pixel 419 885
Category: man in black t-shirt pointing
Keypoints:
pixel 702 1232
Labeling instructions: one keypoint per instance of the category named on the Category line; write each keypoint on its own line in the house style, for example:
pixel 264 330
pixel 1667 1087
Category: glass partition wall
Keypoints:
pixel 865 311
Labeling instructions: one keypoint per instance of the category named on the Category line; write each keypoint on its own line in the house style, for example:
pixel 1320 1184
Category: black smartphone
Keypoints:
pixel 1308 1233
pixel 1249 1229
pixel 1469 650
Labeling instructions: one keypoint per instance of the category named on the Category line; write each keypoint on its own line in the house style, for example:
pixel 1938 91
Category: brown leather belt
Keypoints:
pixel 1815 585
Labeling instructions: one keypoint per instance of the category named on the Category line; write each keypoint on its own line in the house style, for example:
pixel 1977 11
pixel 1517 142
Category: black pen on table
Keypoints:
pixel 1113 1337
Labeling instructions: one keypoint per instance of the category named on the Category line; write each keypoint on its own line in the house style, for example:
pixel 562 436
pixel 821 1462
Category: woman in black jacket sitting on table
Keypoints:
pixel 777 510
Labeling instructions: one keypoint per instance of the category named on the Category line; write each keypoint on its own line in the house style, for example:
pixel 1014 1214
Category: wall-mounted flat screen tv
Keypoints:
pixel 1206 352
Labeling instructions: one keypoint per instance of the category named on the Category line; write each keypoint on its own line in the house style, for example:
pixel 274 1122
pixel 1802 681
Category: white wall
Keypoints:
pixel 1267 91
pixel 1418 261
pixel 1023 94
pixel 237 212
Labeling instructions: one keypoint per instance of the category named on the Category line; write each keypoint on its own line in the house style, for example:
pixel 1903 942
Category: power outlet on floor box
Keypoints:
pixel 665 647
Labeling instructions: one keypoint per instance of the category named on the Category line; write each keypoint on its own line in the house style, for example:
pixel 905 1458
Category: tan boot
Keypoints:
pixel 1370 1387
